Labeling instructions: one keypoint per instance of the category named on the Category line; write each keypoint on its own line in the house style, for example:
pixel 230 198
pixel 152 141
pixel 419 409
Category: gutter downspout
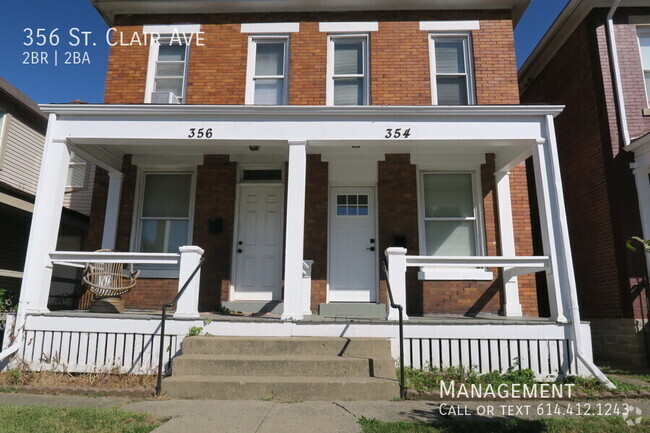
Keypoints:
pixel 617 82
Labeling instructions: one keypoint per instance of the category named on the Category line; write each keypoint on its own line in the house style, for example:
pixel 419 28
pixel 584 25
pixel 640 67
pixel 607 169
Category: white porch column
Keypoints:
pixel 545 184
pixel 188 303
pixel 511 306
pixel 642 179
pixel 37 274
pixel 396 258
pixel 112 213
pixel 295 231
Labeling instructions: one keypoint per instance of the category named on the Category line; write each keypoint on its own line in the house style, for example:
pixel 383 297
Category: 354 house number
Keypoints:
pixel 398 133
pixel 200 133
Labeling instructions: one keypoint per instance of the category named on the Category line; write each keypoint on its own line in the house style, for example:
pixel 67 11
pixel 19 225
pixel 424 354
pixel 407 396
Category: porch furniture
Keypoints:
pixel 108 282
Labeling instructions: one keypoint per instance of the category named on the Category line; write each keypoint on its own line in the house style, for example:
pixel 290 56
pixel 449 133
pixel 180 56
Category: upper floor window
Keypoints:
pixel 267 70
pixel 451 69
pixel 168 62
pixel 347 70
pixel 644 47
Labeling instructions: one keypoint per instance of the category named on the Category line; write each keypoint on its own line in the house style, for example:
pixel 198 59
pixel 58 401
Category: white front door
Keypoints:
pixel 353 244
pixel 258 243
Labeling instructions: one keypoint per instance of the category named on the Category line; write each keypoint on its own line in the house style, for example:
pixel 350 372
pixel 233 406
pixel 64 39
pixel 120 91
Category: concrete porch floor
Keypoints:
pixel 438 319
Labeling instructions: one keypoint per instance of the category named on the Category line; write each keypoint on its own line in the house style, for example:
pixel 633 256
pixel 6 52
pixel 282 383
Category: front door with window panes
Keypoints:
pixel 353 245
pixel 165 216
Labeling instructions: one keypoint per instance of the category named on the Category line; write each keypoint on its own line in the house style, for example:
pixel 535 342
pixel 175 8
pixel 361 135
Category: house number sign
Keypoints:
pixel 398 133
pixel 200 133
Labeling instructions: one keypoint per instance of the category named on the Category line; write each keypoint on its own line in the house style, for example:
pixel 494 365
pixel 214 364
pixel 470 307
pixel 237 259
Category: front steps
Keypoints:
pixel 286 369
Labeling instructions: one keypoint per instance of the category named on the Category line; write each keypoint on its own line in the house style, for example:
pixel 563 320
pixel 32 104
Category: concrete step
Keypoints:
pixel 282 346
pixel 280 388
pixel 261 365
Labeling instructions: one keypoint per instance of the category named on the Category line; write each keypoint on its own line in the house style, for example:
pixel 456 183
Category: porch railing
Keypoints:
pixel 398 262
pixel 400 309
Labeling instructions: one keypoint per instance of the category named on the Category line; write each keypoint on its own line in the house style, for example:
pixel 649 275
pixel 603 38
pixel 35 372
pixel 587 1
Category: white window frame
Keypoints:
pixel 442 273
pixel 331 40
pixel 136 226
pixel 644 32
pixel 71 165
pixel 253 40
pixel 150 85
pixel 469 64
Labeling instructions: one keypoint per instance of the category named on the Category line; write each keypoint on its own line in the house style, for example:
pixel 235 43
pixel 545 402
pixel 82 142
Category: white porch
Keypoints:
pixel 446 138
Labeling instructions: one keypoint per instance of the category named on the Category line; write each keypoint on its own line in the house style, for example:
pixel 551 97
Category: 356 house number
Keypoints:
pixel 200 133
pixel 398 133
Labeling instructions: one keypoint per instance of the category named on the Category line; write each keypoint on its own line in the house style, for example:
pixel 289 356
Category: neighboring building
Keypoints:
pixel 297 144
pixel 604 145
pixel 22 136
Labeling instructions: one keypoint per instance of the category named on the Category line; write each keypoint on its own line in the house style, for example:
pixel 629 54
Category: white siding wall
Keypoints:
pixel 22 161
pixel 22 158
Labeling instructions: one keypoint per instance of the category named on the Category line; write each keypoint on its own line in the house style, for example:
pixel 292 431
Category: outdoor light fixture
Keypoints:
pixel 254 148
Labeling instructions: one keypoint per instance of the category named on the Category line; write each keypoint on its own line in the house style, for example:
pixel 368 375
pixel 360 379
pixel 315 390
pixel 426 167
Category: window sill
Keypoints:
pixel 646 112
pixel 452 274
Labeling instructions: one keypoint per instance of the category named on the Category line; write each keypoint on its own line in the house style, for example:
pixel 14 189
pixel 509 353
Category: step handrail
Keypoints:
pixel 400 311
pixel 163 319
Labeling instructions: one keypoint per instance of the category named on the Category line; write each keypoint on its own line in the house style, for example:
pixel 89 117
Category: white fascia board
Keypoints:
pixel 184 110
pixel 172 28
pixel 349 27
pixel 270 28
pixel 449 26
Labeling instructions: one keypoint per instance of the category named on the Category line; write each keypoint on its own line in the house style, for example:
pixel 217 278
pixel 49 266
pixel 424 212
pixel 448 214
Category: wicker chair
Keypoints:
pixel 108 283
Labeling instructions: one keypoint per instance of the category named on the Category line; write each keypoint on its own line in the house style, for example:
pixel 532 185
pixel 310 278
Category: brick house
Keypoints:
pixel 604 148
pixel 295 146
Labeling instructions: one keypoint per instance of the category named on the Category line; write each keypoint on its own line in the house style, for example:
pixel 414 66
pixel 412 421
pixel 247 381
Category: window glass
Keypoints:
pixel 270 58
pixel 450 57
pixel 450 73
pixel 644 46
pixel 269 71
pixel 449 214
pixel 350 80
pixel 170 72
pixel 165 212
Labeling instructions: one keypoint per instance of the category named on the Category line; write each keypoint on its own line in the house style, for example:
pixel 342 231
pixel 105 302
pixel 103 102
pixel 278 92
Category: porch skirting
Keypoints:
pixel 80 342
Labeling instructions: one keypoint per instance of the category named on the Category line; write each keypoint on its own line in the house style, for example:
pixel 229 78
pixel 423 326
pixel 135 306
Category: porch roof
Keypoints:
pixel 103 133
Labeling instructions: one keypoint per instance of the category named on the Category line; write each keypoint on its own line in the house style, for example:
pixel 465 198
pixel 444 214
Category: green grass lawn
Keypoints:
pixel 547 425
pixel 28 419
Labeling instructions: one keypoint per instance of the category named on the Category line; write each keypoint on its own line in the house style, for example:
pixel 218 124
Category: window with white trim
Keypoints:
pixel 168 67
pixel 449 214
pixel 267 70
pixel 644 48
pixel 347 70
pixel 165 215
pixel 451 69
pixel 3 135
pixel 77 173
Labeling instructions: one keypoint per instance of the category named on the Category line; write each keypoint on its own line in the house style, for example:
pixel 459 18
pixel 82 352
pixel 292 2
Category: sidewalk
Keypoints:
pixel 253 416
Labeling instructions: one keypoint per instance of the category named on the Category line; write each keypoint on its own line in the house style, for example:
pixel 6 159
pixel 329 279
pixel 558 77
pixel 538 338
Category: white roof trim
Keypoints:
pixel 270 28
pixel 349 27
pixel 172 28
pixel 299 110
pixel 445 26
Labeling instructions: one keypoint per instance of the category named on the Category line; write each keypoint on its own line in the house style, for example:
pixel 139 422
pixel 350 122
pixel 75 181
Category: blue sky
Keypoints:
pixel 47 82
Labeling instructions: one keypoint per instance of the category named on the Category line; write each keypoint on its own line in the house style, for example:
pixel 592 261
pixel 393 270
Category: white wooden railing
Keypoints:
pixel 187 259
pixel 398 262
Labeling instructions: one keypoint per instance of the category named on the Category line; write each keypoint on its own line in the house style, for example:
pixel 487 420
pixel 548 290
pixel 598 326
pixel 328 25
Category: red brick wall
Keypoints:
pixel 599 190
pixel 399 56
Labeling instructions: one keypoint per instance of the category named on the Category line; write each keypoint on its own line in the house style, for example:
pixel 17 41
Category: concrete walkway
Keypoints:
pixel 224 416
